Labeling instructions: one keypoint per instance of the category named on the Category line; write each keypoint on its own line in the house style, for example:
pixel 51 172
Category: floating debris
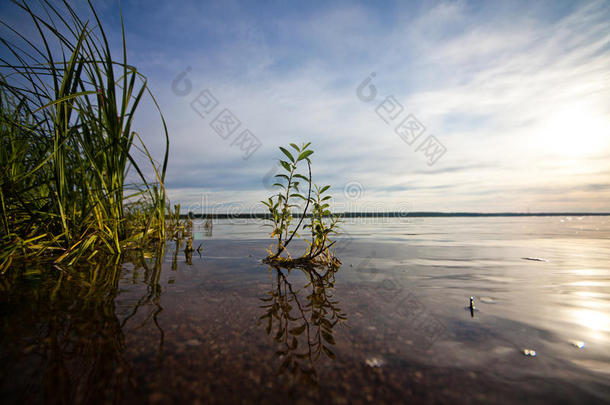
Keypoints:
pixel 577 343
pixel 472 307
pixel 374 362
pixel 487 300
pixel 535 259
pixel 529 352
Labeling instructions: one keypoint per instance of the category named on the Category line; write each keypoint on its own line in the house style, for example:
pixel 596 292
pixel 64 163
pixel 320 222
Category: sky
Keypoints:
pixel 409 106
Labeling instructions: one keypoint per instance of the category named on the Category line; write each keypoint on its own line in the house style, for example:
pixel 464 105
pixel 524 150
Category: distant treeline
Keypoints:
pixel 407 214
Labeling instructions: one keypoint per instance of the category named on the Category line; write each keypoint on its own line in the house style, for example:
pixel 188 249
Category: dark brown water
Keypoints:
pixel 391 326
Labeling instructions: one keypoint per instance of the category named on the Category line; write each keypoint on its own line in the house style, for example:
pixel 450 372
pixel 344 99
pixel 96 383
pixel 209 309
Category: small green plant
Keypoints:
pixel 290 196
pixel 323 224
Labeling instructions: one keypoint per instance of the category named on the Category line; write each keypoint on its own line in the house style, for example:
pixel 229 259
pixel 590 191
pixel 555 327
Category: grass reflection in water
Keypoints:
pixel 63 335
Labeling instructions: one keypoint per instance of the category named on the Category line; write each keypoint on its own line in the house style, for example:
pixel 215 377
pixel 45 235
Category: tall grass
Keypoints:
pixel 68 153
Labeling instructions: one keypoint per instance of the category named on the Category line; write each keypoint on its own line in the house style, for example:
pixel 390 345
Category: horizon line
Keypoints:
pixel 399 214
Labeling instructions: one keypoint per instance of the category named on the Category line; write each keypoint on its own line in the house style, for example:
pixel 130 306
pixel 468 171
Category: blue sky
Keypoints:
pixel 517 93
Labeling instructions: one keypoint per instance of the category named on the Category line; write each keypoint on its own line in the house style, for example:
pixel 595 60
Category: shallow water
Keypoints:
pixel 161 330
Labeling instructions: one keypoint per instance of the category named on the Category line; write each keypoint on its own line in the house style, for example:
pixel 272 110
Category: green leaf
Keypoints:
pixel 285 151
pixel 300 176
pixel 305 154
pixel 295 147
pixel 286 165
pixel 328 197
pixel 279 184
pixel 324 189
pixel 282 176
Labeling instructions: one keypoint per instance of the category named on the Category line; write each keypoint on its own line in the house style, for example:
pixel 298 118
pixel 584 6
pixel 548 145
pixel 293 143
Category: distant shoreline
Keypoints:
pixel 410 215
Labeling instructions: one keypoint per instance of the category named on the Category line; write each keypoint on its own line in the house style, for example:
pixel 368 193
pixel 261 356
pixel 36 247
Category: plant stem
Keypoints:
pixel 302 216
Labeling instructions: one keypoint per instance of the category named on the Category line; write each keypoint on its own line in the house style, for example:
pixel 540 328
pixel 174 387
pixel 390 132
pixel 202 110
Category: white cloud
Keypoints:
pixel 506 97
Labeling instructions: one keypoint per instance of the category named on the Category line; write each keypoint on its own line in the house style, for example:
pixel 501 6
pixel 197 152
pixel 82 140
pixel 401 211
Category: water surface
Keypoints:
pixel 391 326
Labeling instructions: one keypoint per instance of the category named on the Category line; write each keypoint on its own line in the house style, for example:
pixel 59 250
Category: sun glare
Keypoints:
pixel 577 131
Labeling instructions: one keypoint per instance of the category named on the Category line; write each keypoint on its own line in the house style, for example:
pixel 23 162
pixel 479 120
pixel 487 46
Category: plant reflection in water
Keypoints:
pixel 302 321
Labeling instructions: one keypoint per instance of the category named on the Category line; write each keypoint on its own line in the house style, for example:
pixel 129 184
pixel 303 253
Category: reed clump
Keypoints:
pixel 73 182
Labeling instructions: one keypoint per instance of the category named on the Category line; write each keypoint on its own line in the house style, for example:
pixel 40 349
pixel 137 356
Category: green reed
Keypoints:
pixel 68 152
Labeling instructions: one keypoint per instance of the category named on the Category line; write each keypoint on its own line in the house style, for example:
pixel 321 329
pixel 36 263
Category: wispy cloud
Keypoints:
pixel 516 101
pixel 517 92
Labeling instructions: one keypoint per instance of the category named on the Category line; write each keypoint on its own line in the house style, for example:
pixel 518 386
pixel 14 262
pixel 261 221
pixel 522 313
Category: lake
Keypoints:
pixel 392 325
